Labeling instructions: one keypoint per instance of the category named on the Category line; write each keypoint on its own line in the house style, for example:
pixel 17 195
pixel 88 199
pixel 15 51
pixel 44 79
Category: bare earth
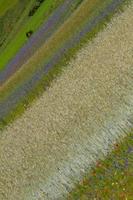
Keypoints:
pixel 76 120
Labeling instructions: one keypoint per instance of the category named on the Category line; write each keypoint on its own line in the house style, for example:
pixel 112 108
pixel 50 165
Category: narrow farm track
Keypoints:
pixel 48 28
pixel 20 92
pixel 77 119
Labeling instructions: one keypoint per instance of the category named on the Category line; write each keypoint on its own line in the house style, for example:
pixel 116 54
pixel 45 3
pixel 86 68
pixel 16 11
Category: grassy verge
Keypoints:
pixel 56 71
pixel 111 178
pixel 32 23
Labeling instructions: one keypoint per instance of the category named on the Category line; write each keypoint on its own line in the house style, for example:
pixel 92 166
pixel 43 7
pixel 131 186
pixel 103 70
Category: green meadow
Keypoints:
pixel 5 5
pixel 12 20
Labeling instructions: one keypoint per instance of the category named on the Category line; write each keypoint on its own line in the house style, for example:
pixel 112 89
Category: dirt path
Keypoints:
pixel 74 122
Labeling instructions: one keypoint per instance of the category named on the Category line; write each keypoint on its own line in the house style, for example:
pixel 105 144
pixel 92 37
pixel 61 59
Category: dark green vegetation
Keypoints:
pixel 5 5
pixel 112 178
pixel 35 7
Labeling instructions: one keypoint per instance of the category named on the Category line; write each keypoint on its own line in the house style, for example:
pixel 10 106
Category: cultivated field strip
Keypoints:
pixel 20 92
pixel 48 28
pixel 77 119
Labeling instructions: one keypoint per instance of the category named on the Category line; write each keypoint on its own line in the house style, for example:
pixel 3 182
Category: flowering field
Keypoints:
pixel 112 178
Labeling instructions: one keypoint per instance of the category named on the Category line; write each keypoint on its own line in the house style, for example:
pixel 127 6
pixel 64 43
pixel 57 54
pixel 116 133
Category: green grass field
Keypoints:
pixel 5 5
pixel 31 23
pixel 12 20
